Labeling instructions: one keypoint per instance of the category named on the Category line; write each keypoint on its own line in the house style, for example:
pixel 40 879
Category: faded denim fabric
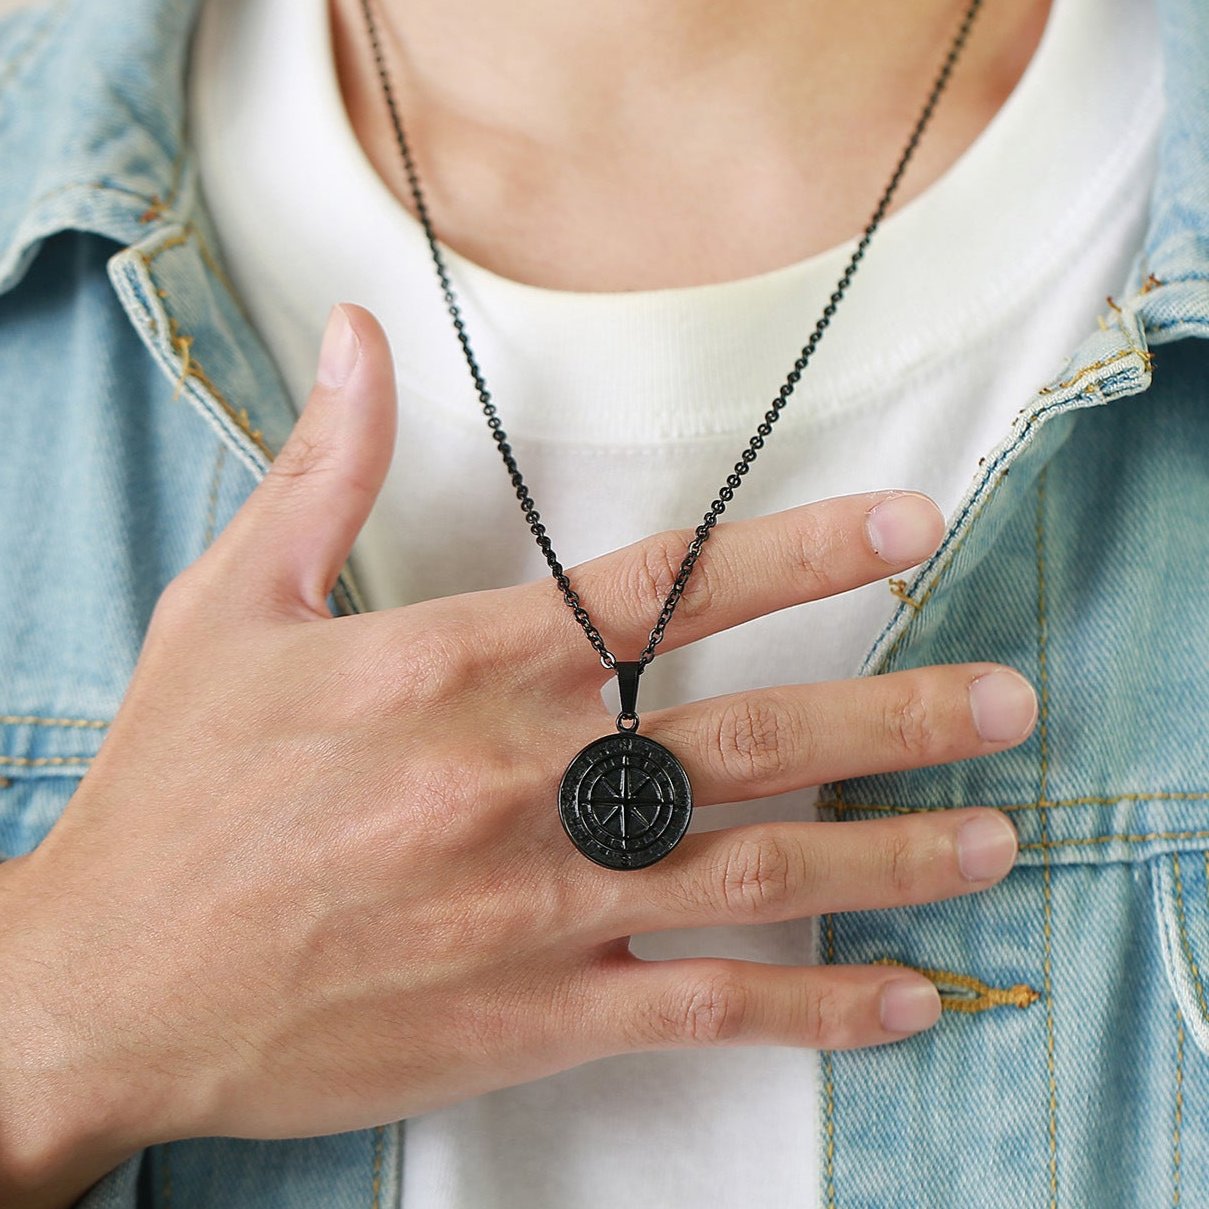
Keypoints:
pixel 138 408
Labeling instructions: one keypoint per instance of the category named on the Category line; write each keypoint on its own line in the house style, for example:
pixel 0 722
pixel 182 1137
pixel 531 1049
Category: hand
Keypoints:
pixel 315 878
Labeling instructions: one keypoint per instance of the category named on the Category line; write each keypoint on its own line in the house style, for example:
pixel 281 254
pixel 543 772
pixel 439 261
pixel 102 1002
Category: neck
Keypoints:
pixel 631 112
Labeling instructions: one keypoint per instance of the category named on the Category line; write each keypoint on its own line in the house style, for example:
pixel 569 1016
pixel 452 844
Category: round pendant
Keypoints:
pixel 625 801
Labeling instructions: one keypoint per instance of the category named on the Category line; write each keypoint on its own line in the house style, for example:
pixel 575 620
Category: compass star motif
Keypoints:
pixel 625 801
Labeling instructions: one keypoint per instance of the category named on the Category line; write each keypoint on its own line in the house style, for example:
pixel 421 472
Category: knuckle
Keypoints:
pixel 760 874
pixel 826 1017
pixel 814 556
pixel 657 568
pixel 910 725
pixel 301 457
pixel 708 1011
pixel 899 867
pixel 752 739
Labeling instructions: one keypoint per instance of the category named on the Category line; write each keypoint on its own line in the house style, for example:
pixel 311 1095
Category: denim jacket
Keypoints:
pixel 138 408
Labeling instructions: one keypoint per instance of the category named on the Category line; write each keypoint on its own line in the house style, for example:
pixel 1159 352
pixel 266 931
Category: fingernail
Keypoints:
pixel 1004 706
pixel 904 529
pixel 909 1005
pixel 339 350
pixel 986 847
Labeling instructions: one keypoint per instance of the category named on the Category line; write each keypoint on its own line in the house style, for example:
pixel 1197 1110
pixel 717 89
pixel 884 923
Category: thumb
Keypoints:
pixel 289 541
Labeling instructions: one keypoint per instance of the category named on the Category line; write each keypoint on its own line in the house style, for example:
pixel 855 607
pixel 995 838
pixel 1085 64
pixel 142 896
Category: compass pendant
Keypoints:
pixel 625 801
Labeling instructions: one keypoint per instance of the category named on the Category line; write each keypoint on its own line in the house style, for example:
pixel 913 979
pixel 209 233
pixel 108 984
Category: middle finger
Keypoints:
pixel 759 743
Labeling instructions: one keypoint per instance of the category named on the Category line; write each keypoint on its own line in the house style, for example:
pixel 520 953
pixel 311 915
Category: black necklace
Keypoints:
pixel 625 801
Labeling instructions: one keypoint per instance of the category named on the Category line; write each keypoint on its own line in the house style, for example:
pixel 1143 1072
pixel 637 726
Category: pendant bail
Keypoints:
pixel 627 685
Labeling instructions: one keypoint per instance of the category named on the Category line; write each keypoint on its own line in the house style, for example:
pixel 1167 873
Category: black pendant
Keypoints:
pixel 625 800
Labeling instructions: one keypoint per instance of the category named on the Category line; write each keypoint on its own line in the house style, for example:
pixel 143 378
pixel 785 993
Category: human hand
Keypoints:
pixel 315 878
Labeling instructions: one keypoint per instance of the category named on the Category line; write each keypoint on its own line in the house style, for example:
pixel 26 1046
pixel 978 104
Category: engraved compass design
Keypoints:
pixel 625 801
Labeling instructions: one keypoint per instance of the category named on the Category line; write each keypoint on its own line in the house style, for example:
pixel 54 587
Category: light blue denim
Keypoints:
pixel 138 407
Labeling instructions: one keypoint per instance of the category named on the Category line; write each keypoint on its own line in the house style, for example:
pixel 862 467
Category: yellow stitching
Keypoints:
pixel 1131 351
pixel 36 720
pixel 212 505
pixel 898 588
pixel 189 364
pixel 1179 1107
pixel 1043 710
pixel 1124 838
pixel 1039 804
pixel 38 761
pixel 982 995
pixel 181 237
pixel 1179 919
pixel 377 1181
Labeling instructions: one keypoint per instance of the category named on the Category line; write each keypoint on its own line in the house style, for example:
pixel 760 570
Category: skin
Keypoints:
pixel 314 879
pixel 644 144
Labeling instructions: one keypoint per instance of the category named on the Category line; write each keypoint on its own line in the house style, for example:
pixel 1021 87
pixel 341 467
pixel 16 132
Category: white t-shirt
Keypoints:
pixel 626 411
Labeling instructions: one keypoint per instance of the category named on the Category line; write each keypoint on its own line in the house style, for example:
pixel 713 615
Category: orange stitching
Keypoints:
pixel 1149 284
pixel 39 761
pixel 981 997
pixel 6 782
pixel 36 720
pixel 1047 901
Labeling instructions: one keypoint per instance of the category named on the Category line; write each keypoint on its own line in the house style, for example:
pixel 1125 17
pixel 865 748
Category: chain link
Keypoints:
pixel 734 480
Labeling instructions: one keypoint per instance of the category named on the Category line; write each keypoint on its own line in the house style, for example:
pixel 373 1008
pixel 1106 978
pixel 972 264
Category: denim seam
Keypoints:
pixel 934 571
pixel 38 720
pixel 1127 838
pixel 190 366
pixel 38 761
pixel 842 805
pixel 1047 897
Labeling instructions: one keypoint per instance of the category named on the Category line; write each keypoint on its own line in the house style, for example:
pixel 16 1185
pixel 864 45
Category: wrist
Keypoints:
pixel 66 1115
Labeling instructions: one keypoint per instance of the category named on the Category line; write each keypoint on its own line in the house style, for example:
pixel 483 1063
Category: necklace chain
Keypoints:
pixel 747 457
